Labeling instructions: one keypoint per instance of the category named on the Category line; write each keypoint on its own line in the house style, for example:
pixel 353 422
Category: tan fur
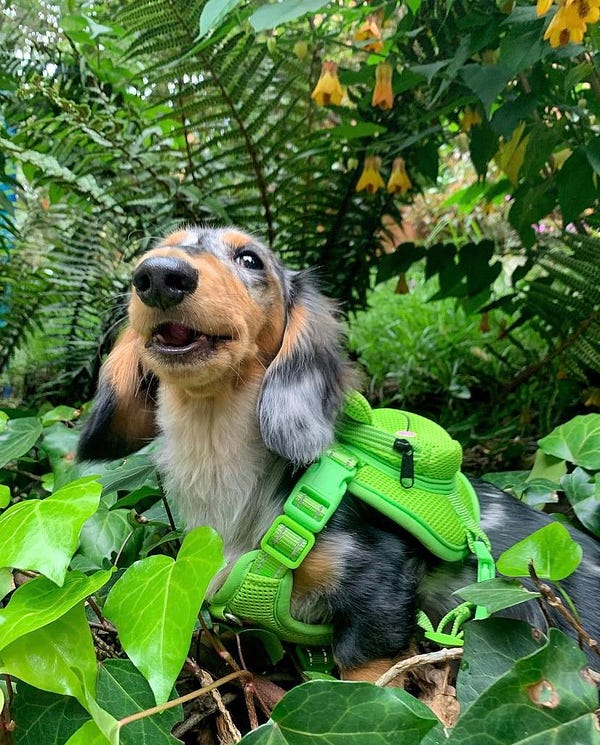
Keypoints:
pixel 235 239
pixel 369 672
pixel 320 570
pixel 175 239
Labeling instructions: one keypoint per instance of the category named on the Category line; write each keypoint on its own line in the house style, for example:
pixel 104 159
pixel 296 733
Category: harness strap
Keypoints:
pixel 259 586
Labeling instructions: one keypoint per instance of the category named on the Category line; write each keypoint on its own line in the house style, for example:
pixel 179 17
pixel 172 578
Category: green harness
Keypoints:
pixel 403 465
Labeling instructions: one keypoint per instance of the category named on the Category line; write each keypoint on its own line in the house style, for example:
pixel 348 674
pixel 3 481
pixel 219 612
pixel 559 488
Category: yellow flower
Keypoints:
pixel 370 179
pixel 564 27
pixel 470 118
pixel 370 31
pixel 328 89
pixel 383 96
pixel 399 182
pixel 543 6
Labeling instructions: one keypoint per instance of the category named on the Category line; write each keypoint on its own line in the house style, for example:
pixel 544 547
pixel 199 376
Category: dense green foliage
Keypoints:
pixel 112 539
pixel 122 121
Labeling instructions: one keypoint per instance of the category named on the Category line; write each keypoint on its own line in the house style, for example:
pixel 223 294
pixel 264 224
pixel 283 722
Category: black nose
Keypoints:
pixel 163 281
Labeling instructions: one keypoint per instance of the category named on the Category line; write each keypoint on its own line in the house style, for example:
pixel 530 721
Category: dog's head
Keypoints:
pixel 212 311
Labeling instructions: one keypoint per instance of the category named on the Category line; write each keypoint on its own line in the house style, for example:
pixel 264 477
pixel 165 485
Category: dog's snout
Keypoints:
pixel 164 281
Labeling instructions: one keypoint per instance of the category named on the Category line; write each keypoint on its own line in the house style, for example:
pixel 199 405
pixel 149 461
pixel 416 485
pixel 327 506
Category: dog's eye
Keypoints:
pixel 248 259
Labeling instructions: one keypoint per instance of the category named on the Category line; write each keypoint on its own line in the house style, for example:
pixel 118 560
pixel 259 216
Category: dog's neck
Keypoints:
pixel 216 467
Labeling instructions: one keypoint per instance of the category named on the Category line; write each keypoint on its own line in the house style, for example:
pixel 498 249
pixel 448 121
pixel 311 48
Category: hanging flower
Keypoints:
pixel 399 182
pixel 370 179
pixel 470 118
pixel 383 95
pixel 370 31
pixel 570 20
pixel 328 89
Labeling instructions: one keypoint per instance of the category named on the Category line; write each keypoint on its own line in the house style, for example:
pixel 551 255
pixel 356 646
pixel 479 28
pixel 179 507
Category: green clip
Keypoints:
pixel 444 640
pixel 315 659
pixel 287 542
pixel 486 569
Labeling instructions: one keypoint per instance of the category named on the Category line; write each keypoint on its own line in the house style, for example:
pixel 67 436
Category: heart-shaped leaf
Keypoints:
pixel 350 713
pixel 154 606
pixel 583 492
pixel 42 535
pixel 122 690
pixel 551 550
pixel 40 602
pixel 44 718
pixel 4 496
pixel 496 594
pixel 577 441
pixel 18 437
pixel 91 734
pixel 543 698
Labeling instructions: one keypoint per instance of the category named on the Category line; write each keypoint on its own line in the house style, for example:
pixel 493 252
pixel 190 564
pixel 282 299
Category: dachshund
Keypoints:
pixel 237 364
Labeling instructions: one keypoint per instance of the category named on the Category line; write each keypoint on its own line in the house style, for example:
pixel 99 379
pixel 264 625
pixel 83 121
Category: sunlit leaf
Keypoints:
pixel 551 550
pixel 18 437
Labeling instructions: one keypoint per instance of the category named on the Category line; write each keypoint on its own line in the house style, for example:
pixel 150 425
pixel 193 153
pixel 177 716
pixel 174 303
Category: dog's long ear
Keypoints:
pixel 304 386
pixel 122 417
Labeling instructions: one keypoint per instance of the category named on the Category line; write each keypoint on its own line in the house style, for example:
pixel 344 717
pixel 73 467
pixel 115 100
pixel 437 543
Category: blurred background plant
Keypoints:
pixel 472 234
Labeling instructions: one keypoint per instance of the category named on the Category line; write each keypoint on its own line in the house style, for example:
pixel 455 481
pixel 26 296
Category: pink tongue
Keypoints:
pixel 175 334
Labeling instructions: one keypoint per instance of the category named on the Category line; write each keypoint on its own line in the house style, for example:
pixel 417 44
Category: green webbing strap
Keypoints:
pixel 262 580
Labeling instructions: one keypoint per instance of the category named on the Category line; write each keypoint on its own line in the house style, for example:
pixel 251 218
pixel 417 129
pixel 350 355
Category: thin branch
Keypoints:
pixel 441 655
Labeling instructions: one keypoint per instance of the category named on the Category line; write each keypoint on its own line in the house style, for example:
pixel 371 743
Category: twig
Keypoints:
pixel 555 602
pixel 198 716
pixel 441 655
pixel 183 699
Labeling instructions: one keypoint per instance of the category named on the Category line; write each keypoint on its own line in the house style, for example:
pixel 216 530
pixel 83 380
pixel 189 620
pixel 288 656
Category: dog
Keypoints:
pixel 237 363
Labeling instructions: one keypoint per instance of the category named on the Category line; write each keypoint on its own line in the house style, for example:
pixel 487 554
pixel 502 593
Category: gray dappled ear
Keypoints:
pixel 304 386
pixel 122 416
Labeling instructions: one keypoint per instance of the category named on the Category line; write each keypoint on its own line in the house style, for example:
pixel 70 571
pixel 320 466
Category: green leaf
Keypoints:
pixel 576 186
pixel 496 594
pixel 554 554
pixel 547 467
pixel 59 414
pixel 130 473
pixel 350 713
pixel 583 492
pixel 6 582
pixel 18 437
pixel 543 698
pixel 89 734
pixel 576 441
pixel 486 81
pixel 122 690
pixel 59 442
pixel 214 12
pixel 48 657
pixel 531 204
pixel 44 718
pixel 352 130
pixel 284 11
pixel 4 496
pixel 483 145
pixel 491 649
pixel 154 606
pixel 102 536
pixel 42 535
pixel 40 602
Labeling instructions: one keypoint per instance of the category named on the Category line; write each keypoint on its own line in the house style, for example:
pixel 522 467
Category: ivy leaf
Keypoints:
pixel 352 713
pixel 496 594
pixel 4 496
pixel 551 550
pixel 491 649
pixel 102 536
pixel 59 443
pixel 154 605
pixel 576 186
pixel 583 492
pixel 45 718
pixel 122 690
pixel 40 602
pixel 269 16
pixel 42 535
pixel 130 473
pixel 18 437
pixel 90 734
pixel 59 414
pixel 6 582
pixel 576 441
pixel 47 657
pixel 542 699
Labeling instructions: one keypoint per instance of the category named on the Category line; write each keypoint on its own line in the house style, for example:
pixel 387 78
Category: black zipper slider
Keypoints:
pixel 407 462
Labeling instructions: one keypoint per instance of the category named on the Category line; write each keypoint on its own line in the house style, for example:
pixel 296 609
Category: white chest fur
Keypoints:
pixel 216 468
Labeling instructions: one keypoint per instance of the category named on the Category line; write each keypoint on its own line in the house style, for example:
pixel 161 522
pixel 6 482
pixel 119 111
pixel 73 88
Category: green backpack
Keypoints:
pixel 403 465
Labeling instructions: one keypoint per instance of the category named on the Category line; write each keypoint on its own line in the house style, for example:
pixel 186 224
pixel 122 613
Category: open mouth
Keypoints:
pixel 174 338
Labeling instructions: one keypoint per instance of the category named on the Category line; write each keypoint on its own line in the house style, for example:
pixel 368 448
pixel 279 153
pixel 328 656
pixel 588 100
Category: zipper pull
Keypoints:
pixel 407 462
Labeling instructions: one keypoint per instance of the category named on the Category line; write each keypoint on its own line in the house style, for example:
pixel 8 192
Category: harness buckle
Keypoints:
pixel 486 569
pixel 287 542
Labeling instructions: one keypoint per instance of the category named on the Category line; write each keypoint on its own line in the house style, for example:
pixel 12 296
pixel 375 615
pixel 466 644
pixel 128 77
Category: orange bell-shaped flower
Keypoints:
pixel 383 95
pixel 370 32
pixel 370 179
pixel 328 89
pixel 399 182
